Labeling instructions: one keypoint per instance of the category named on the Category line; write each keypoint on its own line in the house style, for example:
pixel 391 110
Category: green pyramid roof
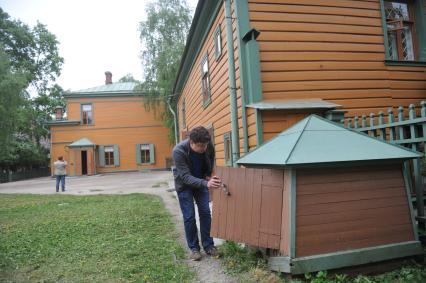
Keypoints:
pixel 318 140
pixel 82 143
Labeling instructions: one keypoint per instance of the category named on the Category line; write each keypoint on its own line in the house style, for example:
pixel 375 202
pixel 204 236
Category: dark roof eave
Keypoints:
pixel 323 164
pixel 63 123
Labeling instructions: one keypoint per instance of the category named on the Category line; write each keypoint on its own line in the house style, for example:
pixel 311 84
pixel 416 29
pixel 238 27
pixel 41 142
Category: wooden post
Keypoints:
pixel 382 132
pixel 372 131
pixel 416 168
pixel 400 119
pixel 364 122
pixel 391 120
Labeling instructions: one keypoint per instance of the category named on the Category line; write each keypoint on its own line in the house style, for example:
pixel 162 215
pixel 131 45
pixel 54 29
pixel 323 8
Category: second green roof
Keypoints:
pixel 318 140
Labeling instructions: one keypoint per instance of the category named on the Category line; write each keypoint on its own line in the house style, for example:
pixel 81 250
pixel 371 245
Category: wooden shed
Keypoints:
pixel 322 196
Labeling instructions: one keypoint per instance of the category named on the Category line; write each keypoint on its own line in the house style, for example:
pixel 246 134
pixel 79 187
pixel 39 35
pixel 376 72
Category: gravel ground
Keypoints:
pixel 159 183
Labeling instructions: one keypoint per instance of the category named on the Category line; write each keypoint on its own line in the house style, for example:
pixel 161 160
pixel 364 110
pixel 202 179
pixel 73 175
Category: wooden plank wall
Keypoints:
pixel 217 113
pixel 331 49
pixel 276 121
pixel 252 213
pixel 350 208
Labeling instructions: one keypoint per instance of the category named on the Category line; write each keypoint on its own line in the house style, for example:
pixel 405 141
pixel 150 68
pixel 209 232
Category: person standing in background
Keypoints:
pixel 60 172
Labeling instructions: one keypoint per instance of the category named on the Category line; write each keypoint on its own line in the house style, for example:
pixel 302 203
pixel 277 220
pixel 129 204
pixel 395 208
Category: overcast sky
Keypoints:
pixel 94 36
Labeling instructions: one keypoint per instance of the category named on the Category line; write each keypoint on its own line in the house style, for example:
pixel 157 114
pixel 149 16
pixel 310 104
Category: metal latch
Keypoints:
pixel 225 189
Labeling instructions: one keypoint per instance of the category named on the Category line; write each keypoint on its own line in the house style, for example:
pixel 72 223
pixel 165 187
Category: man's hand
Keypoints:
pixel 214 183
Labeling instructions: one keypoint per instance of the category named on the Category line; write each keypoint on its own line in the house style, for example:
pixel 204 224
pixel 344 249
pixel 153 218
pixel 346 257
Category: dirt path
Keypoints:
pixel 207 270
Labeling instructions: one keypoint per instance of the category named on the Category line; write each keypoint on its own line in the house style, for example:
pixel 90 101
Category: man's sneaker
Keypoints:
pixel 213 251
pixel 195 255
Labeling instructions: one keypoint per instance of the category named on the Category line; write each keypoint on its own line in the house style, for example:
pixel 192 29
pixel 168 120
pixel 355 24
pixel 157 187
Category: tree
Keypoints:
pixel 128 78
pixel 28 57
pixel 163 36
pixel 33 51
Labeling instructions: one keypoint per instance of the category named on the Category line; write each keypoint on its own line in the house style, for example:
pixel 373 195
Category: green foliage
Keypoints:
pixel 28 57
pixel 321 277
pixel 60 238
pixel 128 78
pixel 239 259
pixel 163 37
pixel 32 51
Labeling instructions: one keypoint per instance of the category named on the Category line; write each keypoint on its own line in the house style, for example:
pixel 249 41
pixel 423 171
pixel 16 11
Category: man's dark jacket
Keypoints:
pixel 182 173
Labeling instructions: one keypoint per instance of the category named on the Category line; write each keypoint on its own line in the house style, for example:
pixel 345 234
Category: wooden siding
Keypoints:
pixel 130 124
pixel 252 213
pixel 217 114
pixel 331 49
pixel 350 208
pixel 276 121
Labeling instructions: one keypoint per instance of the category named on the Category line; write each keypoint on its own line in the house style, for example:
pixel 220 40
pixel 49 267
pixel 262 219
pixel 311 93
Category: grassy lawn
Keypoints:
pixel 63 238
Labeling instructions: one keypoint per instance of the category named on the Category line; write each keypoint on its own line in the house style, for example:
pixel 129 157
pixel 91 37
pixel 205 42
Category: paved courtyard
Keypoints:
pixel 117 183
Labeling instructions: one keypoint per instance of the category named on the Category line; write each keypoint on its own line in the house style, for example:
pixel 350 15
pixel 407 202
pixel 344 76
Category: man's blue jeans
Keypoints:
pixel 60 179
pixel 186 201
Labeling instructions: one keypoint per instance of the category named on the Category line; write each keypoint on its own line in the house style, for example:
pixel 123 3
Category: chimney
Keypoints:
pixel 59 111
pixel 108 78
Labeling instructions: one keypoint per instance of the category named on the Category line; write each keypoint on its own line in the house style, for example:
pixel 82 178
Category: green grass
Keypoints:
pixel 60 238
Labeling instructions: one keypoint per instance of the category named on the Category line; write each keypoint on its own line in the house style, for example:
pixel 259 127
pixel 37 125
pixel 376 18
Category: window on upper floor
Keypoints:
pixel 109 155
pixel 205 81
pixel 87 114
pixel 217 43
pixel 404 30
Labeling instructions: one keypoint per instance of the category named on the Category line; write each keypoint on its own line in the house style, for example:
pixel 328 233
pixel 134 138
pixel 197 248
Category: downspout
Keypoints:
pixel 174 118
pixel 232 85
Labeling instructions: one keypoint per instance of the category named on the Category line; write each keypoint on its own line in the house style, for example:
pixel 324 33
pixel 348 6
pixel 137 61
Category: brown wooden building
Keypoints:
pixel 253 68
pixel 108 129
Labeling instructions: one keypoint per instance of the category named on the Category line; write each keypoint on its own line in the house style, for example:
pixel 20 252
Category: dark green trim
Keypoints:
pixel 405 63
pixel 81 113
pixel 232 83
pixel 407 181
pixel 292 215
pixel 217 48
pixel 65 142
pixel 259 127
pixel 116 155
pixel 204 16
pixel 243 24
pixel 420 24
pixel 227 137
pixel 63 123
pixel 151 153
pixel 385 29
pixel 345 258
pixel 249 58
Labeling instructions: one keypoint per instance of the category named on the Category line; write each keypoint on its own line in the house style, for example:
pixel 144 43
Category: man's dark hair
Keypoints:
pixel 199 135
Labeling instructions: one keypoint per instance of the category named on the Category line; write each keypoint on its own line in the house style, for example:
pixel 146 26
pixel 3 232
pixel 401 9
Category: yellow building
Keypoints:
pixel 108 129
